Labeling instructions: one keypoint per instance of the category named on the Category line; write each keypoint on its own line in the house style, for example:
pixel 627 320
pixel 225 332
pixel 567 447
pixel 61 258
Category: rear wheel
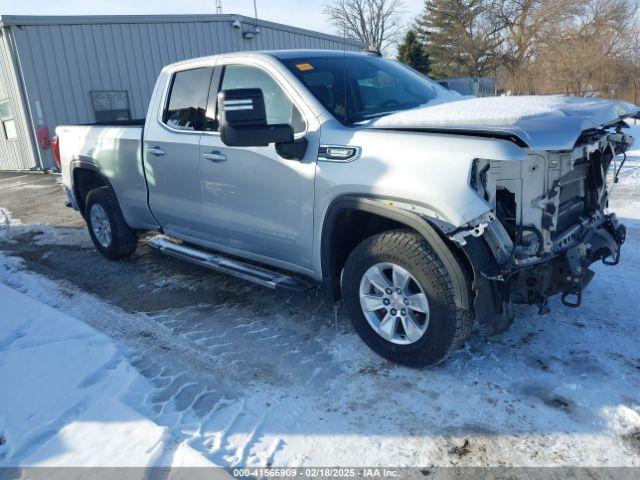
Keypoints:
pixel 399 296
pixel 109 231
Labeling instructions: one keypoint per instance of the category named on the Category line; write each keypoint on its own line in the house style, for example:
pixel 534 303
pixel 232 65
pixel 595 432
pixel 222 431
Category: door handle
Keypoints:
pixel 214 156
pixel 156 151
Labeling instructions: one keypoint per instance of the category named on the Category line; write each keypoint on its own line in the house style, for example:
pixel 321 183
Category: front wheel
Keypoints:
pixel 399 296
pixel 108 229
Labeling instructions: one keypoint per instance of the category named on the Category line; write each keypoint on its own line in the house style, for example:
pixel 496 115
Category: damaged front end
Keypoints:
pixel 548 224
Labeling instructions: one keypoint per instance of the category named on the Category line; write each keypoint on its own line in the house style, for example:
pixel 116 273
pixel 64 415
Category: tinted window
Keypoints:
pixel 279 108
pixel 188 99
pixel 357 88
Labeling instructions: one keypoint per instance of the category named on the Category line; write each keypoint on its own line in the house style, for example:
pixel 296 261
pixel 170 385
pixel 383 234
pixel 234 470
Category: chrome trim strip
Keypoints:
pixel 245 101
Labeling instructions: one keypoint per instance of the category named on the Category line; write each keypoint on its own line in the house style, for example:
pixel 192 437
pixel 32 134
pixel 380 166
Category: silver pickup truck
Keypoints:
pixel 423 210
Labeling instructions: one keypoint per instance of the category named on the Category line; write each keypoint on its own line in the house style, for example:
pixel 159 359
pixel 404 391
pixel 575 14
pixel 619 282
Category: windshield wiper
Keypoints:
pixel 382 114
pixel 375 115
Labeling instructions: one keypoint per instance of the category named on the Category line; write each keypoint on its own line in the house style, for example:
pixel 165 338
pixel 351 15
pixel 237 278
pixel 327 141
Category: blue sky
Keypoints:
pixel 300 13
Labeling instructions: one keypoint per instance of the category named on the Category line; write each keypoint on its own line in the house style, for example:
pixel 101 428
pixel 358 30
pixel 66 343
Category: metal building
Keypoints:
pixel 85 69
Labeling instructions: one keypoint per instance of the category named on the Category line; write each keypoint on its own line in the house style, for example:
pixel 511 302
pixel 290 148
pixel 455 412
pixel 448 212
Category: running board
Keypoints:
pixel 261 276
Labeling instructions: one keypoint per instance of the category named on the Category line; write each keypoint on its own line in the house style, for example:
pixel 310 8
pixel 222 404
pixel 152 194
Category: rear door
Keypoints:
pixel 171 152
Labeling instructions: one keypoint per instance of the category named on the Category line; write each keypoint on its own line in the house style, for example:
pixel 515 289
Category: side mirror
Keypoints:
pixel 243 120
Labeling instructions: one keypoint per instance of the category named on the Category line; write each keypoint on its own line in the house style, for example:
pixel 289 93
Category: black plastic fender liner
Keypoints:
pixel 79 163
pixel 491 302
pixel 331 282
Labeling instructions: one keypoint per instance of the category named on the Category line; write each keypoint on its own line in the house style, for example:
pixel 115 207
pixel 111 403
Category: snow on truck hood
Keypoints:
pixel 543 122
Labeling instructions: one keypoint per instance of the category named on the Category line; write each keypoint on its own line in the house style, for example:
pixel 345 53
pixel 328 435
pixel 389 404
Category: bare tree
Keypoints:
pixel 596 54
pixel 375 22
pixel 529 26
pixel 576 47
pixel 635 67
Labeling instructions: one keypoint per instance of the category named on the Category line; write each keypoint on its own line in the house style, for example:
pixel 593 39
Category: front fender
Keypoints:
pixel 410 220
pixel 430 171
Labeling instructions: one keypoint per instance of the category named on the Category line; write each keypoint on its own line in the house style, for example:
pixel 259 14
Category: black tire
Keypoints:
pixel 124 240
pixel 448 327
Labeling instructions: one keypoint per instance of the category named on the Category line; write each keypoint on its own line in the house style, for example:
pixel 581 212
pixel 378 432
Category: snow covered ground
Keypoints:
pixel 66 389
pixel 246 376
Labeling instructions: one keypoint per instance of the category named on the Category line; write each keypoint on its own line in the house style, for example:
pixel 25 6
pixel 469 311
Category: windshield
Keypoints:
pixel 358 88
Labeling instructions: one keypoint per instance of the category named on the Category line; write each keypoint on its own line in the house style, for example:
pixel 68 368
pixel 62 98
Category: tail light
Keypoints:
pixel 55 148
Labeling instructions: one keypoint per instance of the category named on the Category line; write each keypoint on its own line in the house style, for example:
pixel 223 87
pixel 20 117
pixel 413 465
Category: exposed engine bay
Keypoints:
pixel 548 223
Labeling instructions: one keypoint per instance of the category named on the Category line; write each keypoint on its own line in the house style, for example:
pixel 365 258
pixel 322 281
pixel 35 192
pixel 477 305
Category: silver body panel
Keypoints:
pixel 255 201
pixel 173 176
pixel 252 203
pixel 115 152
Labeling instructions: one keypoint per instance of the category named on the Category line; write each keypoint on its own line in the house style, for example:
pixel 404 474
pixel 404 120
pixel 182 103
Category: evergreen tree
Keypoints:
pixel 412 52
pixel 461 37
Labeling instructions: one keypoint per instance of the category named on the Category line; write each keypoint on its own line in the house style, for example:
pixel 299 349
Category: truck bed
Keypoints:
pixel 114 150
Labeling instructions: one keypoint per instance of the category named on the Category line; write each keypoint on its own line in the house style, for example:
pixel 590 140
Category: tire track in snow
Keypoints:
pixel 232 432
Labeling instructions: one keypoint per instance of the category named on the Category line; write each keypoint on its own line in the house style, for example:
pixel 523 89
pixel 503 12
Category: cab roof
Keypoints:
pixel 287 54
pixel 278 54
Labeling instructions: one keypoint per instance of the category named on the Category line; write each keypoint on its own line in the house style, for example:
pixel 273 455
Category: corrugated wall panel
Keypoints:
pixel 62 64
pixel 15 154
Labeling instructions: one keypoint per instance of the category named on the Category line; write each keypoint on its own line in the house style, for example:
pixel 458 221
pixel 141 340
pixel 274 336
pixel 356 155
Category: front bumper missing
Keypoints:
pixel 568 273
pixel 603 243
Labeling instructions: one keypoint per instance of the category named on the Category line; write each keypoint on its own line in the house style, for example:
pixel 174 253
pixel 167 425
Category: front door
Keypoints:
pixel 171 151
pixel 254 201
